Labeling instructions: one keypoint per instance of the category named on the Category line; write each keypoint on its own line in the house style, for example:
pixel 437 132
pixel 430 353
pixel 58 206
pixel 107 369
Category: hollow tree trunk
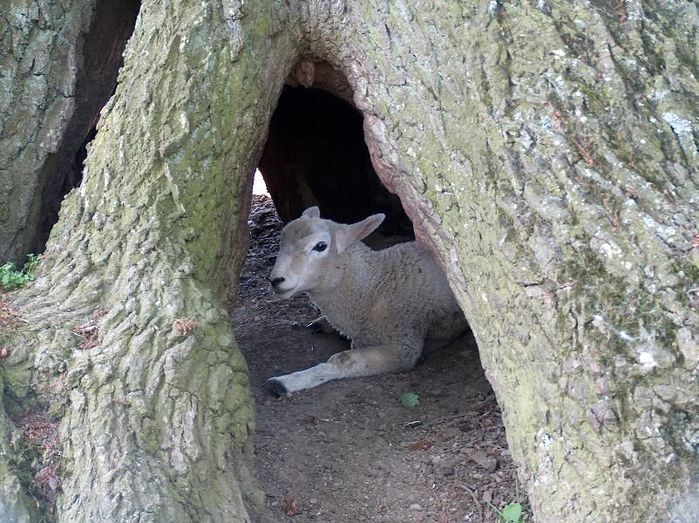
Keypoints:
pixel 40 50
pixel 156 420
pixel 545 152
pixel 59 68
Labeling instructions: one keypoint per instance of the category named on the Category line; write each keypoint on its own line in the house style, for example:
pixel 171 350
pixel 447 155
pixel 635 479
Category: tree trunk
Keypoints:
pixel 545 152
pixel 40 51
pixel 156 416
pixel 59 68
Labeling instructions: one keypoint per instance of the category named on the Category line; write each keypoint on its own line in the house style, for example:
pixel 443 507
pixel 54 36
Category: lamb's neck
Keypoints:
pixel 356 281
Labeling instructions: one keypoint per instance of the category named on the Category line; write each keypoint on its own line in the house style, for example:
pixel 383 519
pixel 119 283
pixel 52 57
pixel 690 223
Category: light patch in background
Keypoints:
pixel 258 185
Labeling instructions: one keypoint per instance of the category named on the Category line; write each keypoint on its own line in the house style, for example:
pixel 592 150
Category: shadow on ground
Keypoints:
pixel 349 451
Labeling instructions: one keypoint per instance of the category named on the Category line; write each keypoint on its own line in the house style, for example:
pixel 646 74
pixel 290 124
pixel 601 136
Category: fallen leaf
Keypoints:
pixel 423 444
pixel 185 326
pixel 290 506
pixel 409 399
pixel 512 513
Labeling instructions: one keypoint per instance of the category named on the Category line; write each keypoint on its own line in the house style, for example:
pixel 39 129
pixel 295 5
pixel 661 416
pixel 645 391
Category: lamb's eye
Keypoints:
pixel 320 246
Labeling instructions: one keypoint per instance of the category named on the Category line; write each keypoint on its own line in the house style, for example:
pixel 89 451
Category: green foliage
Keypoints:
pixel 512 511
pixel 12 278
pixel 409 399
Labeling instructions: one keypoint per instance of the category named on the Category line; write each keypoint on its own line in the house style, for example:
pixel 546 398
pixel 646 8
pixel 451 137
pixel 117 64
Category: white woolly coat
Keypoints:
pixel 397 296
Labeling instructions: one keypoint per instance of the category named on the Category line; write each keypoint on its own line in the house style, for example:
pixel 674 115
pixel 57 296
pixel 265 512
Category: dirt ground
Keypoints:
pixel 350 451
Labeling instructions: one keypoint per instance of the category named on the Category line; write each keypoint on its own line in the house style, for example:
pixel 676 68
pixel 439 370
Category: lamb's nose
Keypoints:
pixel 276 281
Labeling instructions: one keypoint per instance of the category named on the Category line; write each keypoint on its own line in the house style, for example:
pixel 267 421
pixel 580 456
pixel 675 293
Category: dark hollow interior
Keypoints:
pixel 316 155
pixel 103 45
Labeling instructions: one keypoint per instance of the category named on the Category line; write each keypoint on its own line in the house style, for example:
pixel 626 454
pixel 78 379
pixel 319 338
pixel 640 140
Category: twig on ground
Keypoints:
pixel 465 487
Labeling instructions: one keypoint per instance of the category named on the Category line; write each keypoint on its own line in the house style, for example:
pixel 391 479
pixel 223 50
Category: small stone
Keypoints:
pixel 446 469
pixel 487 496
pixel 416 507
pixel 313 501
pixel 489 463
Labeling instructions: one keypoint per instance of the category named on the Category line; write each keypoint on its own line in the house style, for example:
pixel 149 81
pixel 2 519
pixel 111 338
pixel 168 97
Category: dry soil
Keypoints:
pixel 350 451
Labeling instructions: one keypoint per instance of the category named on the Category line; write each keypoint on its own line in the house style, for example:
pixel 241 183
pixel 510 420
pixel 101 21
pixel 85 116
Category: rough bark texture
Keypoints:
pixel 40 50
pixel 547 153
pixel 59 61
pixel 156 421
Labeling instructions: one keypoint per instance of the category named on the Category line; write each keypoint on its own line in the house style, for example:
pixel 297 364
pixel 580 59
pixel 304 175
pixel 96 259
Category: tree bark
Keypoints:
pixel 156 420
pixel 60 64
pixel 41 50
pixel 545 152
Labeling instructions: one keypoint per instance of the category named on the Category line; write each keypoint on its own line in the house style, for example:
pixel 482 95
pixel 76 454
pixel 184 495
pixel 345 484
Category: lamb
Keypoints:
pixel 389 303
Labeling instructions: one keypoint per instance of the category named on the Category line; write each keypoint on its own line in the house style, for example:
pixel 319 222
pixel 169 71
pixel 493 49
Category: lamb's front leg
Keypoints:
pixel 347 364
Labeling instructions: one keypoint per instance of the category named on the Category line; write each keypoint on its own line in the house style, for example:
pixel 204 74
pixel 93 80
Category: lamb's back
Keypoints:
pixel 397 295
pixel 412 294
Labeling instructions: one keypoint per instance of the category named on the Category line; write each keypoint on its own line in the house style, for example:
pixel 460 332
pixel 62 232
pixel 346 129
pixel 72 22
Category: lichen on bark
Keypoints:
pixel 544 152
pixel 157 418
pixel 40 43
pixel 548 164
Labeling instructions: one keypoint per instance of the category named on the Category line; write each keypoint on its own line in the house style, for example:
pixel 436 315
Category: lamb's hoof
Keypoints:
pixel 276 387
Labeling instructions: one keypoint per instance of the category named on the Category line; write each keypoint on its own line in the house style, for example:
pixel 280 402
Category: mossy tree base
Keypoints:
pixel 544 151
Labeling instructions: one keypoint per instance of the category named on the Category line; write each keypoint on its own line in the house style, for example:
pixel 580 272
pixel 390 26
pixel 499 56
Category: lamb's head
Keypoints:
pixel 312 252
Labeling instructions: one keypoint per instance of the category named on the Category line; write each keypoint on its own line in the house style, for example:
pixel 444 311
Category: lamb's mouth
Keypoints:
pixel 284 293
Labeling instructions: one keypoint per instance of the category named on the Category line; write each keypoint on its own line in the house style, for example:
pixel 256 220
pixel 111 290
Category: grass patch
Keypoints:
pixel 12 278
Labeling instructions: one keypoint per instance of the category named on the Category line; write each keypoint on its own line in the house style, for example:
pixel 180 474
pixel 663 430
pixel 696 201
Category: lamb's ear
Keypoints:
pixel 346 235
pixel 311 212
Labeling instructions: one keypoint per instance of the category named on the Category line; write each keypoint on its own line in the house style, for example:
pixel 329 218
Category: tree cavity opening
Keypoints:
pixel 316 155
pixel 103 46
pixel 350 449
